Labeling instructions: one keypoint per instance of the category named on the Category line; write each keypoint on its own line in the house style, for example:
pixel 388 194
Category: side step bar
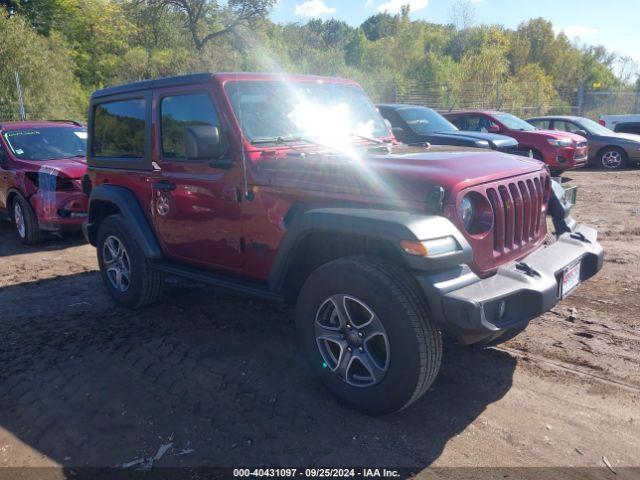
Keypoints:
pixel 253 289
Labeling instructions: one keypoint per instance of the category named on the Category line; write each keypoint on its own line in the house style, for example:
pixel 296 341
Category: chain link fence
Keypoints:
pixel 521 99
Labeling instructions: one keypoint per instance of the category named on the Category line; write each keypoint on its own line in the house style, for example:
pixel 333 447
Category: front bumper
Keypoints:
pixel 59 210
pixel 469 307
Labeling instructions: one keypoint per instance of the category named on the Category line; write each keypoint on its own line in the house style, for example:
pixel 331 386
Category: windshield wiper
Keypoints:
pixel 366 137
pixel 282 140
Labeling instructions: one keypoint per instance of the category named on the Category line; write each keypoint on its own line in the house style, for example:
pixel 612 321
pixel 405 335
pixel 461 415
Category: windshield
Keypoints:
pixel 326 113
pixel 423 120
pixel 47 143
pixel 594 127
pixel 513 123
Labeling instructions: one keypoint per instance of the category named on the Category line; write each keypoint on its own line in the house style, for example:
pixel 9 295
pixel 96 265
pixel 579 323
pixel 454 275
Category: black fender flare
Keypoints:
pixel 128 206
pixel 387 226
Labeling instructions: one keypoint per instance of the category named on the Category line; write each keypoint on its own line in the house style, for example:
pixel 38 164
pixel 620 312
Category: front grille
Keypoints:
pixel 518 210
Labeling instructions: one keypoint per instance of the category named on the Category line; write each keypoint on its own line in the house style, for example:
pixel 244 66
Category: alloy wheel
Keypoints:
pixel 612 159
pixel 18 216
pixel 117 263
pixel 352 340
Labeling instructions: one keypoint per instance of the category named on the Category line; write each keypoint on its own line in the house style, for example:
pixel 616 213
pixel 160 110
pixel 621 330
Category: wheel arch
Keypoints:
pixel 316 237
pixel 108 200
pixel 11 195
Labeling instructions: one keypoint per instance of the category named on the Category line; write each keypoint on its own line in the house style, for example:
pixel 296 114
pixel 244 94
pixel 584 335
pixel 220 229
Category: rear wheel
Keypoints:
pixel 366 332
pixel 124 268
pixel 25 221
pixel 613 158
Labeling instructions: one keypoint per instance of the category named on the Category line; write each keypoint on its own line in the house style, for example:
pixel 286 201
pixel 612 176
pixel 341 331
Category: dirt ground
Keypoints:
pixel 85 383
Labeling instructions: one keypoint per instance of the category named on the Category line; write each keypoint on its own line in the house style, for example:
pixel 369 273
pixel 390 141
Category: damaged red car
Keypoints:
pixel 41 166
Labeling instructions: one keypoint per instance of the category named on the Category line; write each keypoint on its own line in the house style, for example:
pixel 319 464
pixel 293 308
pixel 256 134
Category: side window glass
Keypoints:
pixel 484 123
pixel 179 112
pixel 460 122
pixel 119 129
pixel 564 126
pixel 471 123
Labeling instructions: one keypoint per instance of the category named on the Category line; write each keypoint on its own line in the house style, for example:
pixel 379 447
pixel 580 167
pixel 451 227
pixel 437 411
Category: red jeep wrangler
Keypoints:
pixel 41 166
pixel 291 188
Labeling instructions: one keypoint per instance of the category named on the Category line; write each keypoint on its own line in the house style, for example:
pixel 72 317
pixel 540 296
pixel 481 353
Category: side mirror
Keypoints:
pixel 202 142
pixel 398 132
pixel 582 133
pixel 4 161
pixel 493 129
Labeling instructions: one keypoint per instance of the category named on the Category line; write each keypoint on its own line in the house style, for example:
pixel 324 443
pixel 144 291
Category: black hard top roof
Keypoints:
pixel 155 83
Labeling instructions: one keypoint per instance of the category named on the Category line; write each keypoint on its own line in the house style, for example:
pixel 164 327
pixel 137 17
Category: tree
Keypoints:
pixel 41 14
pixel 206 20
pixel 379 26
pixel 45 66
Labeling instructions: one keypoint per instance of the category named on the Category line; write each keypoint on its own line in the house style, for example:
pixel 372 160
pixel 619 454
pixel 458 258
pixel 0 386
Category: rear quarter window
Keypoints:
pixel 119 129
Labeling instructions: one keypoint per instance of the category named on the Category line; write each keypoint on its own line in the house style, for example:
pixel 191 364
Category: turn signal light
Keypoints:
pixel 414 248
pixel 432 247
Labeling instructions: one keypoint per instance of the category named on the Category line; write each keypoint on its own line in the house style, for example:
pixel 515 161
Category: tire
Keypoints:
pixel 143 285
pixel 25 221
pixel 389 295
pixel 612 158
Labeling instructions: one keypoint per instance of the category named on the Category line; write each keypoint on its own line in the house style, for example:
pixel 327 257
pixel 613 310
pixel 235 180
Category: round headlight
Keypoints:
pixel 466 212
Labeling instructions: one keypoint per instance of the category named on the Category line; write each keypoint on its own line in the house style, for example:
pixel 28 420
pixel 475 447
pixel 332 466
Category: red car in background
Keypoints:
pixel 41 166
pixel 560 150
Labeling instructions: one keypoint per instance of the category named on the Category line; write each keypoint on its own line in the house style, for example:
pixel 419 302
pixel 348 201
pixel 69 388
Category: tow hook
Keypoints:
pixel 527 269
pixel 580 236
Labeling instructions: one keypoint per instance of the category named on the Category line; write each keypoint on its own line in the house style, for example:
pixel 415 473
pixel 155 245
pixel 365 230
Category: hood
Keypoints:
pixel 405 174
pixel 558 134
pixel 493 138
pixel 68 167
pixel 453 168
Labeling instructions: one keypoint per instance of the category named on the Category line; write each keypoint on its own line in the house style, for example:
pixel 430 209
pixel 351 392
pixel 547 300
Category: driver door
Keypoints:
pixel 195 206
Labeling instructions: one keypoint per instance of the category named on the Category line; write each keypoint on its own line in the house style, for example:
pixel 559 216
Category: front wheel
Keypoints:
pixel 364 327
pixel 613 158
pixel 25 221
pixel 124 268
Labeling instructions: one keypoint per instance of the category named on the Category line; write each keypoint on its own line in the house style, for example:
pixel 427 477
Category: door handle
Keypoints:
pixel 164 186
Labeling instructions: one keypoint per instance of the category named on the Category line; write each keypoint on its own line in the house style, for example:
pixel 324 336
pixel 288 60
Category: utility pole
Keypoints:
pixel 581 99
pixel 23 115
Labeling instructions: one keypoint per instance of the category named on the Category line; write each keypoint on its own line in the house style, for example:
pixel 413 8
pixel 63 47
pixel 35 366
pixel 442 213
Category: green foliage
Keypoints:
pixel 380 26
pixel 45 67
pixel 76 46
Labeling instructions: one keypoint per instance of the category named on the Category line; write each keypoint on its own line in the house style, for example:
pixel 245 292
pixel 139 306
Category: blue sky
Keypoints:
pixel 613 23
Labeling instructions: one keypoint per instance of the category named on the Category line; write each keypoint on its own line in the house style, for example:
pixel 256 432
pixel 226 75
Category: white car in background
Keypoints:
pixel 621 123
